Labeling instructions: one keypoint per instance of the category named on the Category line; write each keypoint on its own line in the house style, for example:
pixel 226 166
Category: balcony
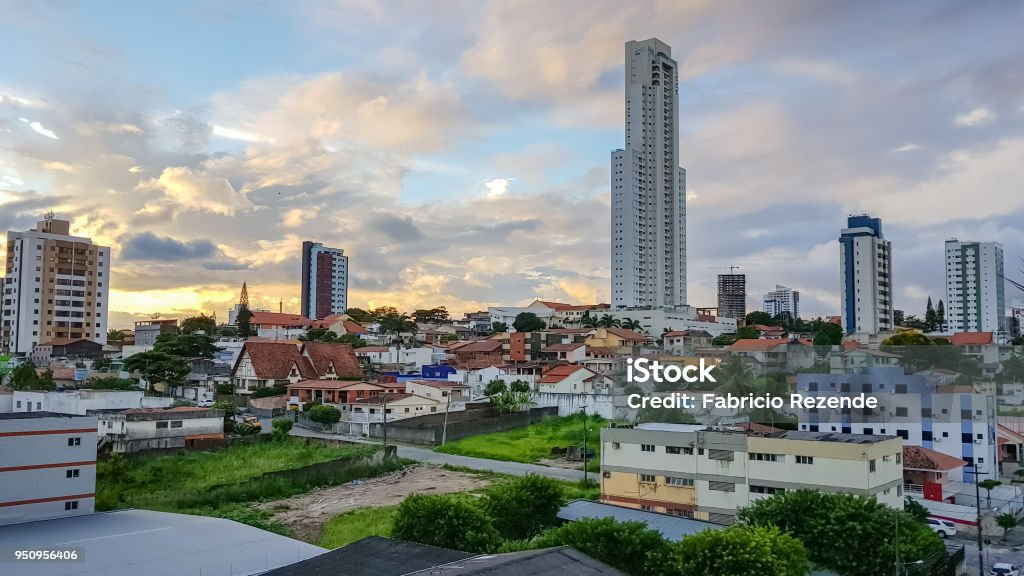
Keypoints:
pixel 949 489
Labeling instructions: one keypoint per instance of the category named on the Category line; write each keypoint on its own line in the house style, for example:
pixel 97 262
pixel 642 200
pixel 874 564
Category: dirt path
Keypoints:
pixel 305 515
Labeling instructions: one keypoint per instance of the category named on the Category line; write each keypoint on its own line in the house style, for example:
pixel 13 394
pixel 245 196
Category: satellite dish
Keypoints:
pixel 154 315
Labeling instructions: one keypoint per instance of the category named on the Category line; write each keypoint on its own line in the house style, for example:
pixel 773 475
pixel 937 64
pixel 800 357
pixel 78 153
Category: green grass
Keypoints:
pixel 532 443
pixel 356 525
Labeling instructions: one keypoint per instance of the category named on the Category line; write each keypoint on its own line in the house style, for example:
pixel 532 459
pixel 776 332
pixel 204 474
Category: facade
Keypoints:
pixel 975 298
pixel 780 300
pixel 694 472
pixel 139 429
pixel 572 379
pixel 324 280
pixel 48 469
pixel 732 295
pixel 952 420
pixel 865 278
pixel 147 331
pixel 81 402
pixel 279 326
pixel 656 321
pixel 648 186
pixel 56 286
pixel 66 349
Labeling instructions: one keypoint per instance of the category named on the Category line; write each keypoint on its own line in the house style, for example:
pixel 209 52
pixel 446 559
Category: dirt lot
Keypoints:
pixel 306 514
pixel 560 463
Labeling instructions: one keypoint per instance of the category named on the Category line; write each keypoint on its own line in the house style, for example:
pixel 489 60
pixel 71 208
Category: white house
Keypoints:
pixel 572 379
pixel 80 402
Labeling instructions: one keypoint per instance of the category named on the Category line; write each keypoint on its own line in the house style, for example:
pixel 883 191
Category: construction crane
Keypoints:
pixel 731 267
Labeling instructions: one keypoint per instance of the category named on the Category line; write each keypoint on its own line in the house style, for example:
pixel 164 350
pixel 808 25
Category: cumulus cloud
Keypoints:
pixel 187 190
pixel 975 117
pixel 149 246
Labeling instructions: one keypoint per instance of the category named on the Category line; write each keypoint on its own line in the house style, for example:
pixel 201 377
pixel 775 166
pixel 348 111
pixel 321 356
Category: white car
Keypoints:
pixel 1004 570
pixel 205 403
pixel 943 528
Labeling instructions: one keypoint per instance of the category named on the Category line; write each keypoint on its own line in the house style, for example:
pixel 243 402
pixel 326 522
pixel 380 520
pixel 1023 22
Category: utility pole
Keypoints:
pixel 444 429
pixel 977 504
pixel 385 422
pixel 585 481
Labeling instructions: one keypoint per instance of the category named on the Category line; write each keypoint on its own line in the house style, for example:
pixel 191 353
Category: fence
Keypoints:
pixel 597 404
pixel 429 430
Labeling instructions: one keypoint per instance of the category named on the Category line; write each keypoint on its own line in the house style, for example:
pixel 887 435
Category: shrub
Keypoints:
pixel 445 521
pixel 523 507
pixel 243 429
pixel 278 390
pixel 325 414
pixel 282 426
pixel 628 546
pixel 737 551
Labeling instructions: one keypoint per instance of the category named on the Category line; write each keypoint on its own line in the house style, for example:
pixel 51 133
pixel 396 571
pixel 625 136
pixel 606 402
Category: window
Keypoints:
pixel 872 466
pixel 901 411
pixel 680 482
pixel 805 459
pixel 161 425
pixel 646 508
pixel 176 423
pixel 647 478
pixel 763 457
pixel 76 441
pixel 720 455
pixel 754 489
pixel 647 447
pixel 678 450
pixel 72 505
pixel 71 473
pixel 722 486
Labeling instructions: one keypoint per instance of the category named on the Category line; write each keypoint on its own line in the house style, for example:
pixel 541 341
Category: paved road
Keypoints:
pixel 484 464
pixel 994 553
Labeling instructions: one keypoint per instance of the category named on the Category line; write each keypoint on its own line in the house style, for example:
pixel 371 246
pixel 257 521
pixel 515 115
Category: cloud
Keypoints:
pixel 397 228
pixel 975 117
pixel 821 70
pixel 908 147
pixel 497 187
pixel 296 217
pixel 186 190
pixel 149 246
pixel 38 128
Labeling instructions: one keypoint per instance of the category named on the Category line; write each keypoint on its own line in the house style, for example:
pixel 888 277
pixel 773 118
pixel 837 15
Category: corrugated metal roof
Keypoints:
pixel 671 527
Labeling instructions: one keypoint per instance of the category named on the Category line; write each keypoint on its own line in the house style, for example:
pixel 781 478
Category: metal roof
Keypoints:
pixel 134 542
pixel 671 527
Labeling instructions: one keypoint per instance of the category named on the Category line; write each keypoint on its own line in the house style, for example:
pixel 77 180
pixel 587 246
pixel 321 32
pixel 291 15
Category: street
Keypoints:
pixel 993 554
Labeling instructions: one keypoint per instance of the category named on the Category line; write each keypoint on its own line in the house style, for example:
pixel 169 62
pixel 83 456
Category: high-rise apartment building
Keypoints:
pixel 324 280
pixel 732 295
pixel 648 186
pixel 865 278
pixel 975 299
pixel 56 286
pixel 780 300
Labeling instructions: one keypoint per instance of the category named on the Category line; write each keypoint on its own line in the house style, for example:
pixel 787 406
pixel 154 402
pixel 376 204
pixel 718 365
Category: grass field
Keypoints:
pixel 532 443
pixel 356 525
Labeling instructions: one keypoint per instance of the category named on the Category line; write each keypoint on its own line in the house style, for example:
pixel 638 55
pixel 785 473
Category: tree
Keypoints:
pixel 629 546
pixel 527 322
pixel 244 321
pixel 324 414
pixel 522 507
pixel 110 383
pixel 1006 522
pixel 46 382
pixel 608 321
pixel 759 317
pixel 321 335
pixel 157 366
pixel 227 331
pixel 822 339
pixel 1013 369
pixel 438 315
pixel 908 338
pixel 747 333
pixel 940 315
pixel 498 327
pixel 352 340
pixel 509 402
pixel 834 332
pixel 205 323
pixel 396 323
pixel 1018 341
pixel 916 509
pixel 724 340
pixel 519 386
pixel 987 486
pixel 115 336
pixel 101 364
pixel 380 312
pixel 738 551
pixel 186 345
pixel 836 529
pixel 931 319
pixel 495 387
pixel 898 317
pixel 281 428
pixel 359 315
pixel 446 521
pixel 588 321
pixel 630 324
pixel 24 376
pixel 735 377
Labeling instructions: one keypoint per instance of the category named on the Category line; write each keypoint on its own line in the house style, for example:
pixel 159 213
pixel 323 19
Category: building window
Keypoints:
pixel 765 490
pixel 805 459
pixel 681 482
pixel 872 466
pixel 76 441
pixel 161 425
pixel 176 423
pixel 72 473
pixel 647 478
pixel 763 457
pixel 647 447
pixel 678 450
pixel 72 505
pixel 722 486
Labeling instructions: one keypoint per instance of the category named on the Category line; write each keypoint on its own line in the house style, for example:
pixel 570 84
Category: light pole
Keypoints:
pixel 385 422
pixel 585 480
pixel 977 505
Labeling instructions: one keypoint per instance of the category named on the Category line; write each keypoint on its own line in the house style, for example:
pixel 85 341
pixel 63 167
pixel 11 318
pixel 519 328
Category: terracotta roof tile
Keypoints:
pixel 562 347
pixel 559 373
pixel 274 360
pixel 478 346
pixel 325 354
pixel 921 458
pixel 970 338
pixel 279 319
pixel 750 345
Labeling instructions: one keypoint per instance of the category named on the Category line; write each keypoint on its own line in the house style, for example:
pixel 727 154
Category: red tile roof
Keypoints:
pixel 477 346
pixel 438 383
pixel 562 347
pixel 372 349
pixel 353 327
pixel 559 373
pixel 324 384
pixel 756 428
pixel 970 338
pixel 851 345
pixel 750 345
pixel 323 355
pixel 628 334
pixel 381 398
pixel 278 319
pixel 921 458
pixel 274 360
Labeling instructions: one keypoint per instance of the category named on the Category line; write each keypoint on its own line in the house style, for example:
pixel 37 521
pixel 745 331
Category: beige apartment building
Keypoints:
pixel 56 286
pixel 708 474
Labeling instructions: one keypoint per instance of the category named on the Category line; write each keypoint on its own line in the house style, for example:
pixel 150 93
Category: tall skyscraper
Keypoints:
pixel 324 280
pixel 56 286
pixel 865 278
pixel 648 186
pixel 732 295
pixel 975 299
pixel 780 300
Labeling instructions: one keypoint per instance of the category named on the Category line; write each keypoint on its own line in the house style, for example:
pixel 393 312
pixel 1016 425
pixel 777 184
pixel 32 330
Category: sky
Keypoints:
pixel 458 151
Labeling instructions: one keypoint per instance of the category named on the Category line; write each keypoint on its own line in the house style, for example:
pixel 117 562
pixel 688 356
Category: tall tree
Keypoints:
pixel 156 367
pixel 931 319
pixel 609 321
pixel 527 322
pixel 498 327
pixel 203 323
pixel 24 376
pixel 759 317
pixel 396 323
pixel 940 315
pixel 115 336
pixel 244 321
pixel 186 345
pixel 436 315
pixel 359 315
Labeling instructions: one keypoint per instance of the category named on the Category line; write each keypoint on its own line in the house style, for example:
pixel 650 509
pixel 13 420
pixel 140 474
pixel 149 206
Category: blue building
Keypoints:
pixel 865 277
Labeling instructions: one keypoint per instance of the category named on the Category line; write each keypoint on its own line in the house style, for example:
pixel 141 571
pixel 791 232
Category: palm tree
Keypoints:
pixel 114 335
pixel 735 377
pixel 609 321
pixel 630 324
pixel 588 321
pixel 987 486
pixel 396 324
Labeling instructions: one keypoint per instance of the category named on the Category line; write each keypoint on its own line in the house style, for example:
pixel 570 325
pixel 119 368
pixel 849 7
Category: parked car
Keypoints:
pixel 943 528
pixel 1004 569
pixel 205 403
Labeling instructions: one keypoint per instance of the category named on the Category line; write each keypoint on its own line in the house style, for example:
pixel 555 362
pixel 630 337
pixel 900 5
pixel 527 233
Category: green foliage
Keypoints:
pixel 227 331
pixel 724 340
pixel 352 340
pixel 24 376
pixel 101 364
pixel 46 382
pixel 115 336
pixel 916 509
pixel 509 402
pixel 498 327
pixel 245 429
pixel 436 315
pixel 495 387
pixel 759 317
pixel 447 521
pixel 523 507
pixel 244 321
pixel 747 333
pixel 908 338
pixel 987 486
pixel 1006 522
pixel 735 551
pixel 530 443
pixel 836 529
pixel 396 323
pixel 325 414
pixel 275 390
pixel 527 322
pixel 1013 369
pixel 110 383
pixel 186 345
pixel 359 315
pixel 228 407
pixel 226 389
pixel 156 366
pixel 519 386
pixel 196 323
pixel 628 546
pixel 358 524
pixel 281 428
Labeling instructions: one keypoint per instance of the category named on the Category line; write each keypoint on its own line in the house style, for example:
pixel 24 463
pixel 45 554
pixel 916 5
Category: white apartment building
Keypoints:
pixel 48 469
pixel 780 300
pixel 648 185
pixel 56 286
pixel 80 402
pixel 865 279
pixel 655 321
pixel 975 299
pixel 708 474
pixel 324 280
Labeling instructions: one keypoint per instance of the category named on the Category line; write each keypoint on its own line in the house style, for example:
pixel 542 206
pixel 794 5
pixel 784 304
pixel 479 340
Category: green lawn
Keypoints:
pixel 532 443
pixel 356 525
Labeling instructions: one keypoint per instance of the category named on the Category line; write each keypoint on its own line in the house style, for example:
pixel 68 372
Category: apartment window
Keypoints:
pixel 720 455
pixel 176 423
pixel 722 486
pixel 872 466
pixel 161 425
pixel 678 450
pixel 681 482
pixel 71 505
pixel 763 457
pixel 72 473
pixel 754 489
pixel 805 459
pixel 76 441
pixel 647 478
pixel 901 411
pixel 647 447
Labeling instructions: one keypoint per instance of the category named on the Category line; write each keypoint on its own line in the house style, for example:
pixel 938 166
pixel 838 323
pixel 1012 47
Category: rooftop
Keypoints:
pixel 671 527
pixel 921 458
pixel 665 427
pixel 133 542
pixel 835 437
pixel 29 415
pixel 373 556
pixel 279 319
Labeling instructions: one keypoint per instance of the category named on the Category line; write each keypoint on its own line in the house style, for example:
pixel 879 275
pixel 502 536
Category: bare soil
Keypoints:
pixel 560 463
pixel 305 515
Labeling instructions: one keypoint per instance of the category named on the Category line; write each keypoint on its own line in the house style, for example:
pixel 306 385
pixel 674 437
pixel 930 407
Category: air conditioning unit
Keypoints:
pixel 978 440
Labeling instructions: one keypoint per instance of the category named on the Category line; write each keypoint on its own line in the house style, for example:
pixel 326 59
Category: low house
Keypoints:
pixel 403 359
pixel 575 352
pixel 332 361
pixel 685 342
pixel 926 474
pixel 1011 448
pixel 571 379
pixel 340 324
pixel 396 406
pixel 856 360
pixel 336 391
pixel 477 354
pixel 72 349
pixel 268 364
pixel 773 355
pixel 81 402
pixel 278 326
pixel 980 346
pixel 602 359
pixel 139 429
pixel 440 390
pixel 622 340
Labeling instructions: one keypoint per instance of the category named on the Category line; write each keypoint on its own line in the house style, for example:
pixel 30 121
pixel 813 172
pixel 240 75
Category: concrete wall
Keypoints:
pixel 428 430
pixel 602 405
